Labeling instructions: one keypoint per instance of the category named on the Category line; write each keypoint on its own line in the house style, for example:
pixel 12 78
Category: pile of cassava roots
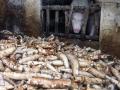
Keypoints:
pixel 28 63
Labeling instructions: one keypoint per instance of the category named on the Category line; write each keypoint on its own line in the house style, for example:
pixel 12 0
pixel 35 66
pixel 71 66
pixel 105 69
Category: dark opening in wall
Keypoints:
pixel 56 2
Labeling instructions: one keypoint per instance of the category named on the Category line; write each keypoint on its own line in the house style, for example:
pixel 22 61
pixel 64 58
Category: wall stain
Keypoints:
pixel 111 43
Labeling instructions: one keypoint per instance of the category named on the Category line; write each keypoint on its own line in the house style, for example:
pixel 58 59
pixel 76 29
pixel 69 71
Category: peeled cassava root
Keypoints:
pixel 89 80
pixel 10 64
pixel 65 59
pixel 37 64
pixel 7 52
pixel 74 64
pixel 31 58
pixel 24 76
pixel 104 76
pixel 47 83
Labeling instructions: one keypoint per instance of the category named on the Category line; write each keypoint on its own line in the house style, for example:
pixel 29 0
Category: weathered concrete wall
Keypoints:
pixel 2 8
pixel 32 17
pixel 110 32
pixel 2 12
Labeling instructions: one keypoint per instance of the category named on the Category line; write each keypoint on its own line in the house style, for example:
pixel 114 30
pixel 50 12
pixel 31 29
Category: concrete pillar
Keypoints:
pixel 109 29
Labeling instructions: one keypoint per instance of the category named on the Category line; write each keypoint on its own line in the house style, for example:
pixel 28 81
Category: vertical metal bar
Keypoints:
pixel 66 22
pixel 70 18
pixel 85 22
pixel 42 21
pixel 56 21
pixel 47 20
pixel 70 15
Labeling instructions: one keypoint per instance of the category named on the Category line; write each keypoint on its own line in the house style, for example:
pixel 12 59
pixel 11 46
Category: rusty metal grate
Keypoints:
pixel 53 27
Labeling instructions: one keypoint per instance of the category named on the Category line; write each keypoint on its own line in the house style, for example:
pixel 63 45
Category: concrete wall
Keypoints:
pixel 32 17
pixel 2 12
pixel 110 31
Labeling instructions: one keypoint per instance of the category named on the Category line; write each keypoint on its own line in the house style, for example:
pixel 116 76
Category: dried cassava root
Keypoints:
pixel 30 63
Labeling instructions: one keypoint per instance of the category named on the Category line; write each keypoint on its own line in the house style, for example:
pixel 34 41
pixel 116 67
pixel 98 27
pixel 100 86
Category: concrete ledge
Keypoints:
pixel 109 1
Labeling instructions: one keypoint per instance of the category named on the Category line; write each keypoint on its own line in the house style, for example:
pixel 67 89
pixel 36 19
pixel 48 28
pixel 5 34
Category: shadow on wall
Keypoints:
pixel 2 13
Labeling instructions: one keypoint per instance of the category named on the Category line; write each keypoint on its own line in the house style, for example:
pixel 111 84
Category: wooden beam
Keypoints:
pixel 56 7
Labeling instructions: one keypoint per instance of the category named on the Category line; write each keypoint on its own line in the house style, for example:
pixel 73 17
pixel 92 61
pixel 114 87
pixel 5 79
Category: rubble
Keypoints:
pixel 38 64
